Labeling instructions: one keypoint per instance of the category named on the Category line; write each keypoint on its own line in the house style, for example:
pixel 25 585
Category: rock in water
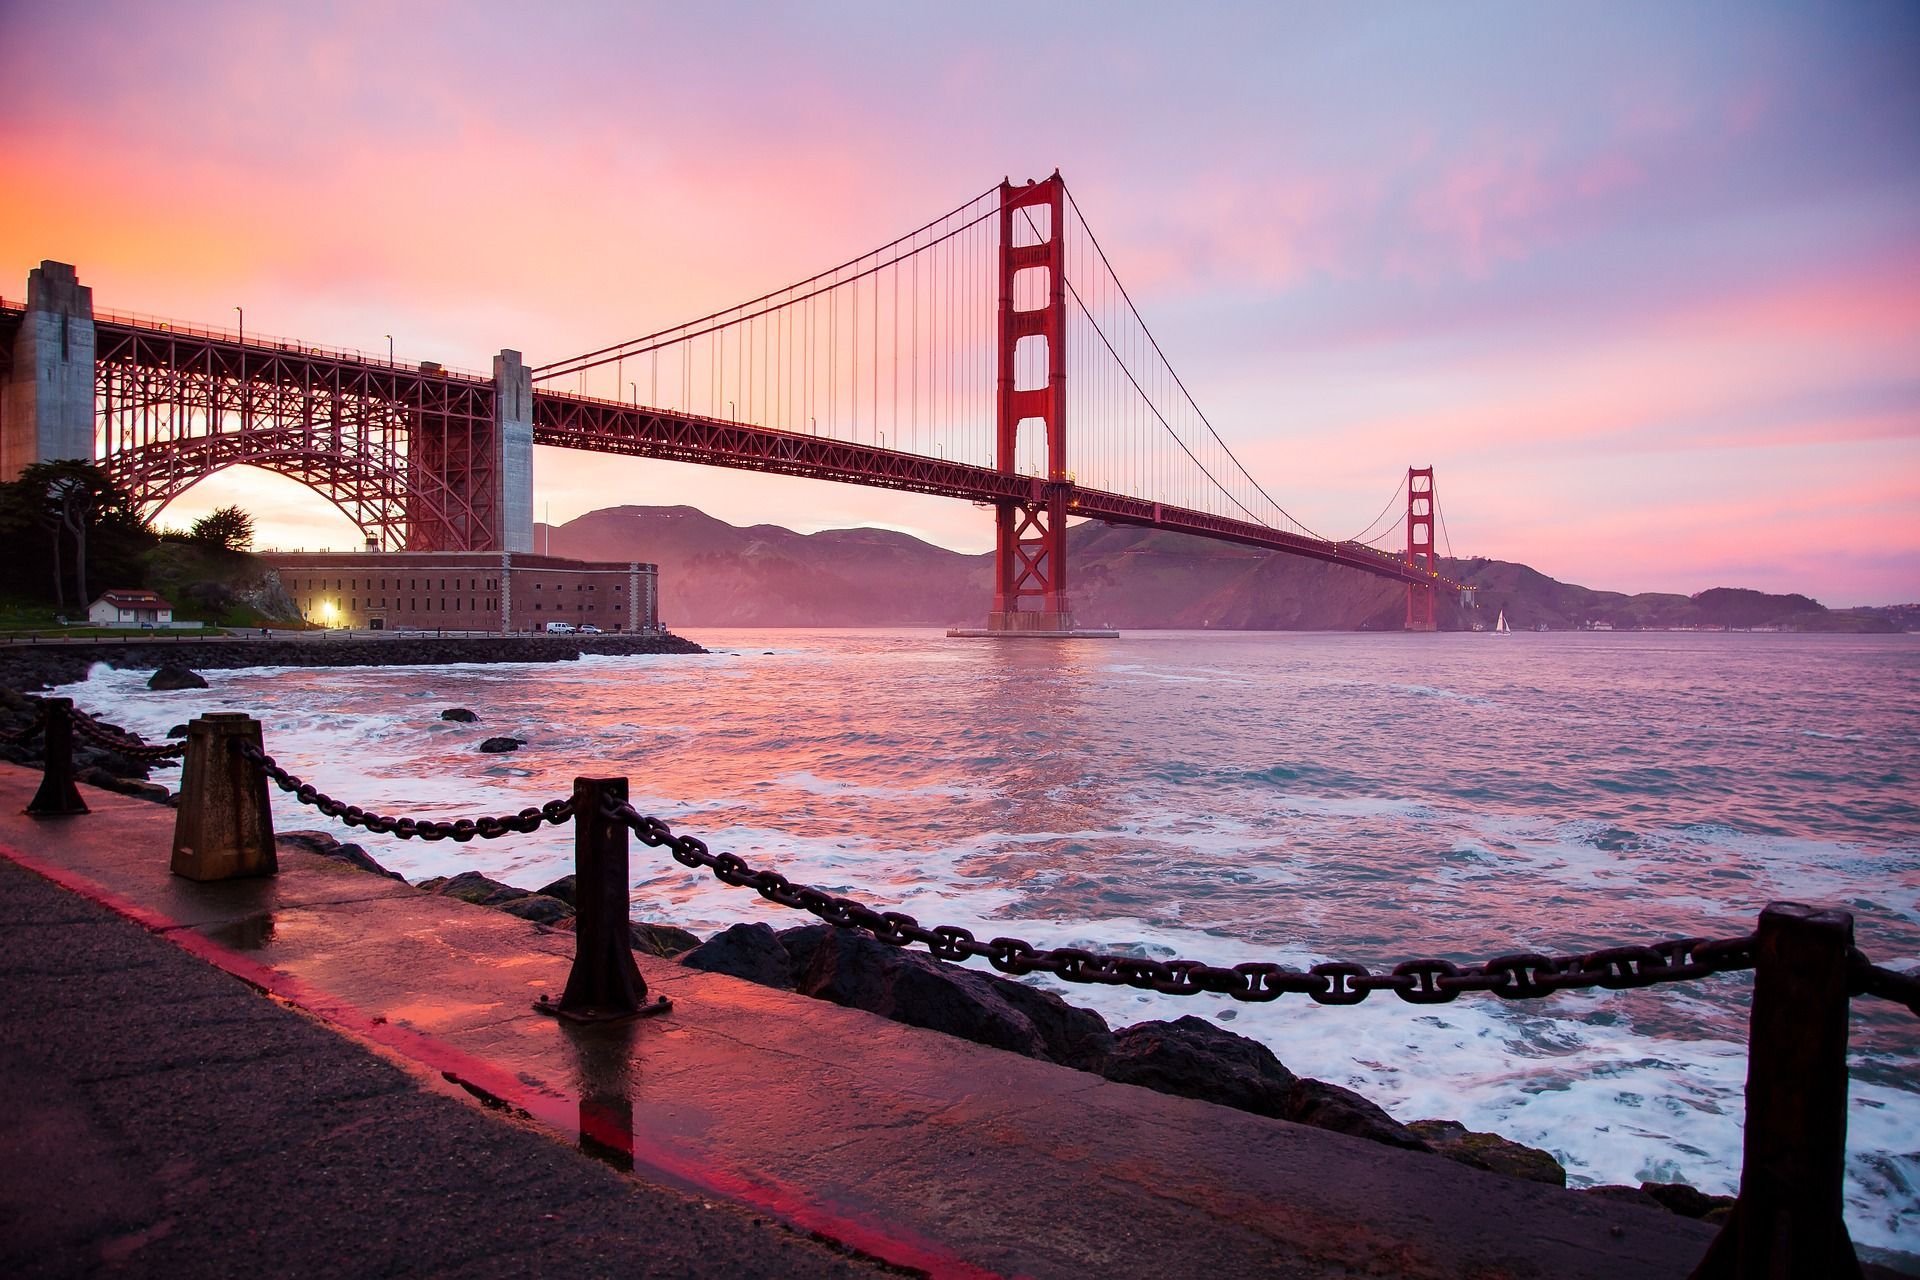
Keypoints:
pixel 561 889
pixel 175 676
pixel 178 731
pixel 750 951
pixel 1490 1151
pixel 460 714
pixel 494 746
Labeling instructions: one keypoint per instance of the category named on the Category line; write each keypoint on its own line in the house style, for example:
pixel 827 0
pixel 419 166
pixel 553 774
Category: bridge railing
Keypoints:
pixel 278 343
pixel 1786 1221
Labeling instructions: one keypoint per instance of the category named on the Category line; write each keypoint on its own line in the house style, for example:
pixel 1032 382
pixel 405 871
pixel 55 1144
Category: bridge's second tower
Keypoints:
pixel 1030 547
pixel 1420 517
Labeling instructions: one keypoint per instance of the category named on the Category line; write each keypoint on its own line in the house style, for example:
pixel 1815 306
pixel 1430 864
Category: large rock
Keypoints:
pixel 1193 1058
pixel 326 846
pixel 1490 1151
pixel 1621 1194
pixel 750 951
pixel 495 746
pixel 471 886
pixel 850 967
pixel 174 676
pixel 561 889
pixel 106 780
pixel 460 714
pixel 537 907
pixel 1687 1201
pixel 1328 1106
pixel 663 940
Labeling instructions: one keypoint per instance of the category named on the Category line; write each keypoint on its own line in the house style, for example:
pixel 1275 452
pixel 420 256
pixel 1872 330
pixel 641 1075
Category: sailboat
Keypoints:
pixel 1500 626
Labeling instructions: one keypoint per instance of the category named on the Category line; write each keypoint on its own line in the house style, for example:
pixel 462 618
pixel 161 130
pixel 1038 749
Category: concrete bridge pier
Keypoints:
pixel 513 446
pixel 46 398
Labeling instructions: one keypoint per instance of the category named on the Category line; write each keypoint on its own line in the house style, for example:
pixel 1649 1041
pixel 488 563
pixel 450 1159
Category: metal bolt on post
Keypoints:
pixel 224 828
pixel 57 796
pixel 605 984
pixel 1787 1220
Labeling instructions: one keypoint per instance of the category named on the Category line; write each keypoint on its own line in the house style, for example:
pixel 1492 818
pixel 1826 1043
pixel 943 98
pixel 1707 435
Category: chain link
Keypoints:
pixel 131 745
pixel 460 830
pixel 1428 981
pixel 1868 979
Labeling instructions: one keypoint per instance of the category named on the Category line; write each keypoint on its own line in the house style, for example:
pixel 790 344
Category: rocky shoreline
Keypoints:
pixel 40 666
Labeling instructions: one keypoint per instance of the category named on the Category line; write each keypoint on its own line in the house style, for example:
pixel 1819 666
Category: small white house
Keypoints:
pixel 130 609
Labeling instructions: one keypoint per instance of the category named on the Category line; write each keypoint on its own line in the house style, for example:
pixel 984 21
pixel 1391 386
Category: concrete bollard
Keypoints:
pixel 1787 1221
pixel 605 984
pixel 224 829
pixel 57 796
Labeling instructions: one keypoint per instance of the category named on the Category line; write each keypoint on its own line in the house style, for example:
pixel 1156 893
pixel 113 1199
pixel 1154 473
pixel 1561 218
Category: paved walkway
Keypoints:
pixel 195 1127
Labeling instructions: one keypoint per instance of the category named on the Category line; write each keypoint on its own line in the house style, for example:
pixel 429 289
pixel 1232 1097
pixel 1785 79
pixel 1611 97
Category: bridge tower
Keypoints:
pixel 1420 517
pixel 46 392
pixel 1030 546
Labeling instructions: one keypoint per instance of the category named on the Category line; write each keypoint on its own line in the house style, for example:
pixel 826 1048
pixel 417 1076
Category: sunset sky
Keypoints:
pixel 1642 282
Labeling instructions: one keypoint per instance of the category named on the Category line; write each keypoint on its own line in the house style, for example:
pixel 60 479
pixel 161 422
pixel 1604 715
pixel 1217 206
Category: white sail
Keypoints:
pixel 1500 624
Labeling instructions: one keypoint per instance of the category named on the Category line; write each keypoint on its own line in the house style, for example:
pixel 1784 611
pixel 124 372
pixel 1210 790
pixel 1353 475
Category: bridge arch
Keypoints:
pixel 375 493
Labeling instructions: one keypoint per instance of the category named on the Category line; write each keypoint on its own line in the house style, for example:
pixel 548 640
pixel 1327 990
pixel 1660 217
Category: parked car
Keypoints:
pixel 560 628
pixel 588 629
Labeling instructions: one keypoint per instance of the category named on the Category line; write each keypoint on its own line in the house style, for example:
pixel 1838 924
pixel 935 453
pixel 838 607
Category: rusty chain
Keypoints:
pixel 1521 976
pixel 1864 978
pixel 460 829
pixel 1524 976
pixel 114 738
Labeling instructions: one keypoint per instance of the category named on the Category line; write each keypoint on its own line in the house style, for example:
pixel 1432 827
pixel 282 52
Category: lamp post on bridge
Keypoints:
pixel 389 348
pixel 636 392
pixel 245 405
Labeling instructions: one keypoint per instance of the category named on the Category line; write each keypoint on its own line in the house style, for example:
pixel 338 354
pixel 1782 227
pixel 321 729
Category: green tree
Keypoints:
pixel 69 502
pixel 227 527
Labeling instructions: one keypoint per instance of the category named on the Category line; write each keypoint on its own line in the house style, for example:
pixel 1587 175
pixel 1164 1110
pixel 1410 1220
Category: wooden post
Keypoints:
pixel 605 984
pixel 1787 1221
pixel 57 796
pixel 224 829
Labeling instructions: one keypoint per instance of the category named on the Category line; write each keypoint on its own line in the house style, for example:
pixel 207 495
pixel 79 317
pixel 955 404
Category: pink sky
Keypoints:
pixel 1642 283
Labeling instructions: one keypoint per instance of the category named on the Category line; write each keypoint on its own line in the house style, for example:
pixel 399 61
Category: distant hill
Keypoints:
pixel 715 574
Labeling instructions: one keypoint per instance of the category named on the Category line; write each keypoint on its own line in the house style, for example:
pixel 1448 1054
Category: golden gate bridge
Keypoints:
pixel 991 355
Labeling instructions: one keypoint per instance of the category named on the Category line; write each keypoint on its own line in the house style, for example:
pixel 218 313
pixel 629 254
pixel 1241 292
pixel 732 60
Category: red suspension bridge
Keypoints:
pixel 991 355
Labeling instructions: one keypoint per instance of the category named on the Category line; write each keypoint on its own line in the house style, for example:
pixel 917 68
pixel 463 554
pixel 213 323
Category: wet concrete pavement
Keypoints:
pixel 907 1145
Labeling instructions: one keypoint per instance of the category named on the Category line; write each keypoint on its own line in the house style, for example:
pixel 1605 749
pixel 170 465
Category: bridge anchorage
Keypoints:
pixel 938 363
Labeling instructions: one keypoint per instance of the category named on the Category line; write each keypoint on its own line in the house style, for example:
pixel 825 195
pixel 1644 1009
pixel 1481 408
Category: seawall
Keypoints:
pixel 44 664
